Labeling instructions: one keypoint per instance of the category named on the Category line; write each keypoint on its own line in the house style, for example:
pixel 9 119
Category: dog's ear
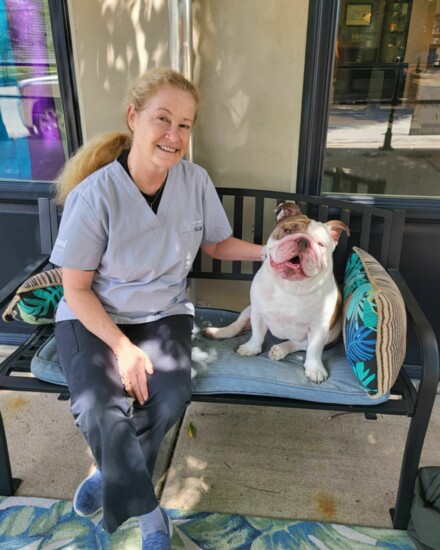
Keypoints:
pixel 286 210
pixel 336 227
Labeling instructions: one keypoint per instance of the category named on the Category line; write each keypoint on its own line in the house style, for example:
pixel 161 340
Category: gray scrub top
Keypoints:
pixel 140 259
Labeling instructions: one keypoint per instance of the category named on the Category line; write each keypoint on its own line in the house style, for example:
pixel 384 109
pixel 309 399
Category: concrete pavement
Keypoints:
pixel 248 460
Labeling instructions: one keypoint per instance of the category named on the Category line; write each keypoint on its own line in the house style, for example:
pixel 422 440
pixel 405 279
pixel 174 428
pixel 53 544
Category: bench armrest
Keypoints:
pixel 9 290
pixel 428 343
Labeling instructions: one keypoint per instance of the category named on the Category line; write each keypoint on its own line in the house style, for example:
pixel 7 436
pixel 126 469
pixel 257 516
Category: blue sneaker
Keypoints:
pixel 88 496
pixel 159 540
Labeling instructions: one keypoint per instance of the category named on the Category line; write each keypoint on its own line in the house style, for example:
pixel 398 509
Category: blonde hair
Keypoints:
pixel 106 148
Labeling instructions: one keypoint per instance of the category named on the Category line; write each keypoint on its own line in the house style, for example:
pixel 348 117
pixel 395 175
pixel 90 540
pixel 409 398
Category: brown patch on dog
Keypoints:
pixel 326 505
pixel 247 327
pixel 336 227
pixel 290 226
pixel 338 310
pixel 287 209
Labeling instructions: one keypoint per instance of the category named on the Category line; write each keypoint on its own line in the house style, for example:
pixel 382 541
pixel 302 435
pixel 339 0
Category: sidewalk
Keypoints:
pixel 355 142
pixel 286 463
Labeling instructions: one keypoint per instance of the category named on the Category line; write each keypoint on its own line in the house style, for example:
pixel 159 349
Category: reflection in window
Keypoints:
pixel 384 125
pixel 31 117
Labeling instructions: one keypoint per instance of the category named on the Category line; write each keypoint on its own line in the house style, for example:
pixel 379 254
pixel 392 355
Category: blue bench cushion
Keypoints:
pixel 218 369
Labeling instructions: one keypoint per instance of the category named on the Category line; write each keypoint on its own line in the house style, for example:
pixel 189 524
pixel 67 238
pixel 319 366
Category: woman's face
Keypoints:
pixel 161 131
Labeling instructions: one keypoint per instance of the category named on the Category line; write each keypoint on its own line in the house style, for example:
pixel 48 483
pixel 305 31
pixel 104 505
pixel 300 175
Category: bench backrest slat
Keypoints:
pixel 365 231
pixel 323 213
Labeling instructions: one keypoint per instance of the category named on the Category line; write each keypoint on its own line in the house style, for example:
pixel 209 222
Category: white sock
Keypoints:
pixel 153 521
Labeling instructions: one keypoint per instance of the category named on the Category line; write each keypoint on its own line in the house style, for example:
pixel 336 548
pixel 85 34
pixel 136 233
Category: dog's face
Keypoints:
pixel 300 248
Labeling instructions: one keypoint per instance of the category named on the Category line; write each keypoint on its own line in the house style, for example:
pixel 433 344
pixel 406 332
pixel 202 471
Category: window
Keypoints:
pixel 383 134
pixel 32 136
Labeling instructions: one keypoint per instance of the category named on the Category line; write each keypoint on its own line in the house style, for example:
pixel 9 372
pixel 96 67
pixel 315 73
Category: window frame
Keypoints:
pixel 29 190
pixel 318 74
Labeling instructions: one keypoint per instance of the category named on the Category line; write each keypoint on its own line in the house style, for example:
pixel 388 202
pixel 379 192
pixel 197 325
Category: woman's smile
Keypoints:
pixel 161 132
pixel 168 149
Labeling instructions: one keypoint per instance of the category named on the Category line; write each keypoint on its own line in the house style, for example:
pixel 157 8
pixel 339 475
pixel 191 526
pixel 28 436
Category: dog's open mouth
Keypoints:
pixel 292 267
pixel 294 257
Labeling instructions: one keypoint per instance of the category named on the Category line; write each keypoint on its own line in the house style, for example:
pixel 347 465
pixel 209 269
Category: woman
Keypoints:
pixel 135 214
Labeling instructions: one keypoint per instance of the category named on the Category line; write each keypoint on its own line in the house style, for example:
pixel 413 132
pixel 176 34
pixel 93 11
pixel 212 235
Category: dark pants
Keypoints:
pixel 125 440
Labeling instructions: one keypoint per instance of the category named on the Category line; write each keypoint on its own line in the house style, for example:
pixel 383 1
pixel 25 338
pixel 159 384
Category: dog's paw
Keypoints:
pixel 316 373
pixel 276 353
pixel 214 333
pixel 247 350
pixel 279 351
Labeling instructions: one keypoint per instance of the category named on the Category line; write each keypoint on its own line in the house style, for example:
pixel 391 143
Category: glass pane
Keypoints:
pixel 32 138
pixel 384 126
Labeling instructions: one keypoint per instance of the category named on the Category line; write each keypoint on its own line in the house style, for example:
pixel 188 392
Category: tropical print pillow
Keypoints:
pixel 36 300
pixel 374 323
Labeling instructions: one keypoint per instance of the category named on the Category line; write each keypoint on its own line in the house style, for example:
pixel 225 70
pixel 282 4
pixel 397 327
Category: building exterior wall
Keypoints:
pixel 249 64
pixel 113 42
pixel 249 67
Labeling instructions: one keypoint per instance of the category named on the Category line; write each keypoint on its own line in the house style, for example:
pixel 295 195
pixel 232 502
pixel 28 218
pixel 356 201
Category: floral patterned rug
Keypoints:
pixel 32 523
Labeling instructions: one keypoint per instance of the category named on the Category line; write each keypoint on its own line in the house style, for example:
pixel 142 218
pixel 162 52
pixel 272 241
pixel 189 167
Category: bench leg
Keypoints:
pixel 410 463
pixel 8 485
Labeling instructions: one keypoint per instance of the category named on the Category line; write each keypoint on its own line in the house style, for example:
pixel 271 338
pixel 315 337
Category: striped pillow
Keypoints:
pixel 36 300
pixel 374 323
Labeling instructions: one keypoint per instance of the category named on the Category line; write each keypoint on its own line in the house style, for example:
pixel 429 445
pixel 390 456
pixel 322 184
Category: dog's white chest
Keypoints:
pixel 289 308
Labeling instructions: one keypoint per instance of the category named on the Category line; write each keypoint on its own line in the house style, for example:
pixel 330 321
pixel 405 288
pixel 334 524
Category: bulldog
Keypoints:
pixel 294 294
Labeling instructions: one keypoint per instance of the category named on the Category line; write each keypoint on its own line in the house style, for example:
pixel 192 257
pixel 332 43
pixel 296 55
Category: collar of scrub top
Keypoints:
pixel 153 201
pixel 139 208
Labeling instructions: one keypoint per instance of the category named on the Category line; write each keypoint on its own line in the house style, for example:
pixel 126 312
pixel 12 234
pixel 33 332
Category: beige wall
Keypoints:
pixel 249 64
pixel 114 41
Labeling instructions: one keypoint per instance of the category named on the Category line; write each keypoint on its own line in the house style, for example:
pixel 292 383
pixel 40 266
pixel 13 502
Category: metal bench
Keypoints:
pixel 251 213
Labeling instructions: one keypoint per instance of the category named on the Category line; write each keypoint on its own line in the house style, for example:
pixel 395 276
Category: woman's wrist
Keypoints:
pixel 121 345
pixel 263 253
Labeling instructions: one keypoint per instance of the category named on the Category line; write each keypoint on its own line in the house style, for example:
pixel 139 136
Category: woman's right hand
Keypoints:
pixel 134 364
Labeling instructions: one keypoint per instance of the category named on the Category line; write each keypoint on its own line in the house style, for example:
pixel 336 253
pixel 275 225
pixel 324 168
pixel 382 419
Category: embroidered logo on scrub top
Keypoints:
pixel 61 243
pixel 187 226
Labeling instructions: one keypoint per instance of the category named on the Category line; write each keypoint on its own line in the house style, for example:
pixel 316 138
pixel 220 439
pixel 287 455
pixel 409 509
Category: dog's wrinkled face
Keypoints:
pixel 300 248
